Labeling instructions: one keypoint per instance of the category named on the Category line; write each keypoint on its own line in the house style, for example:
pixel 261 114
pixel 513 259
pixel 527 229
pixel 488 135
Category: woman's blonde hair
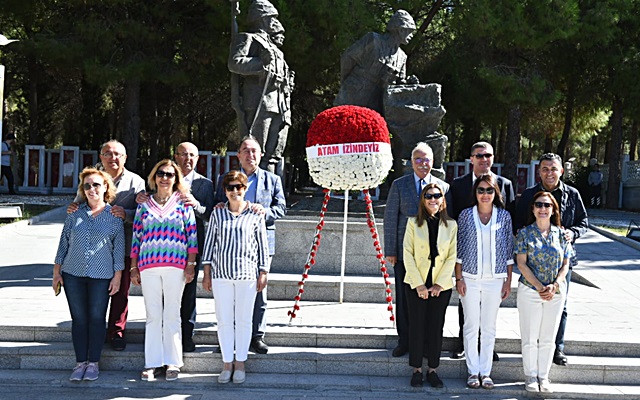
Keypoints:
pixel 109 194
pixel 178 185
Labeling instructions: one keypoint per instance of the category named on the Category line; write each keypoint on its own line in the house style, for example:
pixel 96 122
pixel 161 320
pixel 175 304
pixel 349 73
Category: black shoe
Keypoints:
pixel 399 351
pixel 559 358
pixel 434 380
pixel 259 346
pixel 188 346
pixel 416 379
pixel 118 343
pixel 496 357
pixel 457 354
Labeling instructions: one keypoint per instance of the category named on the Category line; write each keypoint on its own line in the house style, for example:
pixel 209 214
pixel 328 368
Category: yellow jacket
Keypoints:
pixel 416 254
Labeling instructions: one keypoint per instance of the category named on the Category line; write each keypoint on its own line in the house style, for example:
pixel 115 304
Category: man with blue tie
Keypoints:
pixel 265 193
pixel 402 204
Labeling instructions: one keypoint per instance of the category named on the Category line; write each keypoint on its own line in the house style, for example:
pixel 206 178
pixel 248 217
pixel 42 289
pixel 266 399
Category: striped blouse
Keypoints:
pixel 164 236
pixel 236 246
pixel 91 246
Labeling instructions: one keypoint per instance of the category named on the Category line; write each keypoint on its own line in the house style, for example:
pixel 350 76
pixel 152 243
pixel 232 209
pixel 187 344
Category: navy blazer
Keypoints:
pixel 202 190
pixel 270 195
pixel 402 204
pixel 460 196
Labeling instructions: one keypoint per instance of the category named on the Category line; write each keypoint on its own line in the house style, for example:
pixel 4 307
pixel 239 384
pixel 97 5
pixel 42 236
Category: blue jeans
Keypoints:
pixel 88 299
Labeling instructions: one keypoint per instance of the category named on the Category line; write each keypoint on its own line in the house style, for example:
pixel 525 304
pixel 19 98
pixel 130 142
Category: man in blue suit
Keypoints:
pixel 402 204
pixel 265 193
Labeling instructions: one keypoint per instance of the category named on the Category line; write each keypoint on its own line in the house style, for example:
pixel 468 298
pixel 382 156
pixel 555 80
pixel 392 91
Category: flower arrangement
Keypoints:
pixel 348 148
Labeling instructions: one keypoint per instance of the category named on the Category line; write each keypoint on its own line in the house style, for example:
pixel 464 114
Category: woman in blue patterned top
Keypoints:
pixel 235 261
pixel 88 264
pixel 483 274
pixel 542 254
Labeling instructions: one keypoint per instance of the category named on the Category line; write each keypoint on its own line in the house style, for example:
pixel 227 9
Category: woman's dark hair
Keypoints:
pixel 488 178
pixel 235 176
pixel 555 218
pixel 423 214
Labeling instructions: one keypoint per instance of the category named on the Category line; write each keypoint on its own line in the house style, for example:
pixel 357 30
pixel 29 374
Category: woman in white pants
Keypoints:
pixel 235 261
pixel 483 274
pixel 542 254
pixel 163 259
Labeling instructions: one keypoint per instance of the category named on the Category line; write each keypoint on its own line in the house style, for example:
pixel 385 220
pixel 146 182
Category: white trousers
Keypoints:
pixel 162 291
pixel 234 300
pixel 539 320
pixel 480 304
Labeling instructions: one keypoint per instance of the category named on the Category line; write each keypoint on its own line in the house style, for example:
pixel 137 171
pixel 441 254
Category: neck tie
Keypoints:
pixel 421 185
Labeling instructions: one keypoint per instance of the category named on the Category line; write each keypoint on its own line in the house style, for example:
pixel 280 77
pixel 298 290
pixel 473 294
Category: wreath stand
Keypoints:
pixel 315 244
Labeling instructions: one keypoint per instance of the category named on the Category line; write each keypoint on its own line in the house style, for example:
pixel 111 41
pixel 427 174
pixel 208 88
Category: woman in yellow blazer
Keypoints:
pixel 429 258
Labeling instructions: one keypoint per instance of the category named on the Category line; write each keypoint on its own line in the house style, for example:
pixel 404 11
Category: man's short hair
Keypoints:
pixel 252 138
pixel 551 157
pixel 481 145
pixel 113 141
pixel 422 146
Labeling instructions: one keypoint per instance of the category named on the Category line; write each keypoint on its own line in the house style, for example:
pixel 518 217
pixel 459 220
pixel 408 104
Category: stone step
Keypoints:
pixel 318 324
pixel 122 384
pixel 321 360
pixel 360 289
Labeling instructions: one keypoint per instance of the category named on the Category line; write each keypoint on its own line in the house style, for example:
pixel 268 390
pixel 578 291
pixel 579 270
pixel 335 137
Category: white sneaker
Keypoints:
pixel 531 384
pixel 545 386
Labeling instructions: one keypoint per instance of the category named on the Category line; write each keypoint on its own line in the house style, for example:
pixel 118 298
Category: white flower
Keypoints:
pixel 350 171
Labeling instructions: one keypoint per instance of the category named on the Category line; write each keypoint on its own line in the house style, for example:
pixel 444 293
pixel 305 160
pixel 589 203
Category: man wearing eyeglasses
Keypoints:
pixel 402 204
pixel 573 216
pixel 461 196
pixel 264 191
pixel 113 156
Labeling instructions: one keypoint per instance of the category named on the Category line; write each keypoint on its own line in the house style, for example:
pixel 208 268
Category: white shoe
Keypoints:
pixel 531 384
pixel 545 386
pixel 239 376
pixel 225 376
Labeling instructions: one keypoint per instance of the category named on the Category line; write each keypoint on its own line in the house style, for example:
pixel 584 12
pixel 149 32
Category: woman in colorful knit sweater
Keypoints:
pixel 163 259
pixel 235 260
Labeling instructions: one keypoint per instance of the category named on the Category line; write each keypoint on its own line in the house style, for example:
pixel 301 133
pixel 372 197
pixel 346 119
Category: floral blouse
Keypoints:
pixel 544 255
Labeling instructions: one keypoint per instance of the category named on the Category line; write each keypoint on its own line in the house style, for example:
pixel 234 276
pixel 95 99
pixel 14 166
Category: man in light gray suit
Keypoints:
pixel 201 199
pixel 265 193
pixel 402 204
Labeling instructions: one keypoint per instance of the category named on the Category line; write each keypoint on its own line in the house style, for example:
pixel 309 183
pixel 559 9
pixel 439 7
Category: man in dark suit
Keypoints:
pixel 265 193
pixel 573 217
pixel 461 196
pixel 402 204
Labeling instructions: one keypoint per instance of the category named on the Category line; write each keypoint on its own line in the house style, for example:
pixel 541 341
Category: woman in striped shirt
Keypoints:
pixel 235 268
pixel 163 259
pixel 89 263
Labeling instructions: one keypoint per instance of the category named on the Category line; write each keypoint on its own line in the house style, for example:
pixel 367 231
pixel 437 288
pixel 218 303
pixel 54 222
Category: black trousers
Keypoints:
pixel 188 306
pixel 425 327
pixel 7 173
pixel 402 316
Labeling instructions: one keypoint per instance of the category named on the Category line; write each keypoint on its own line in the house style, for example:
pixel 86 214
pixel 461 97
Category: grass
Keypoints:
pixel 29 210
pixel 616 230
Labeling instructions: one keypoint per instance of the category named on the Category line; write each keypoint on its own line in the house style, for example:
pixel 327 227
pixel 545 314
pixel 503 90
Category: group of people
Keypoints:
pixel 473 231
pixel 117 233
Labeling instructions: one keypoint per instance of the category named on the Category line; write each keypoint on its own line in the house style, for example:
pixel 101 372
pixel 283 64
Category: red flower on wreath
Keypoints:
pixel 347 124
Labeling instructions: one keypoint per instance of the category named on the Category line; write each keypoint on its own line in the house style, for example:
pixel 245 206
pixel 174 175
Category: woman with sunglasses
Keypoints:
pixel 483 274
pixel 89 263
pixel 163 259
pixel 542 255
pixel 429 250
pixel 235 261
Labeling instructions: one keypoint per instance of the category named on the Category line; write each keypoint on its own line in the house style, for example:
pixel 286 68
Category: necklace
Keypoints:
pixel 161 200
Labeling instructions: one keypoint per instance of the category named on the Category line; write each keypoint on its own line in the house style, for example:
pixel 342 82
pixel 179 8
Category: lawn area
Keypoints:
pixel 616 230
pixel 29 211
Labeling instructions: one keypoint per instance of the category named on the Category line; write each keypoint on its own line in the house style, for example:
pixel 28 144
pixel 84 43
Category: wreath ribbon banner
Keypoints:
pixel 340 149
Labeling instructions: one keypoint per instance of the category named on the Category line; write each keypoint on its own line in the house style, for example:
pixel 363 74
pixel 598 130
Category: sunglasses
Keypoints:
pixel 95 185
pixel 430 196
pixel 481 156
pixel 481 190
pixel 163 174
pixel 540 204
pixel 421 160
pixel 237 186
